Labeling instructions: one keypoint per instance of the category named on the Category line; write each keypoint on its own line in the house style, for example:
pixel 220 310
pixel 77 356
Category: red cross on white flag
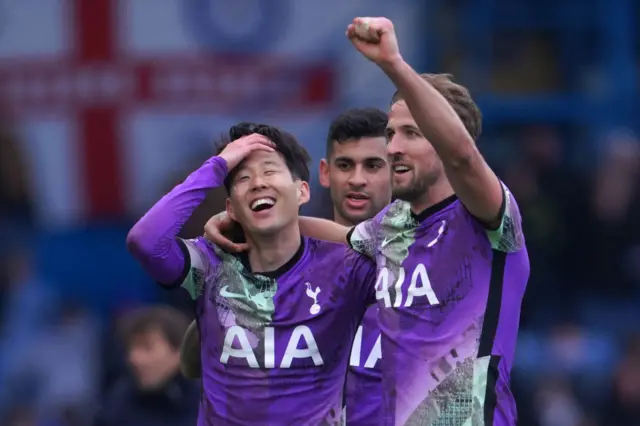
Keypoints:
pixel 68 81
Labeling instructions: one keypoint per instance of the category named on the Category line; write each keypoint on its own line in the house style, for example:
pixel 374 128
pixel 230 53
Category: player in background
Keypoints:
pixel 276 323
pixel 358 176
pixel 450 253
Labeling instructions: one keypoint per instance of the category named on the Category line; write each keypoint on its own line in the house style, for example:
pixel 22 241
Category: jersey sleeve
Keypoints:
pixel 200 260
pixel 508 236
pixel 364 237
pixel 153 241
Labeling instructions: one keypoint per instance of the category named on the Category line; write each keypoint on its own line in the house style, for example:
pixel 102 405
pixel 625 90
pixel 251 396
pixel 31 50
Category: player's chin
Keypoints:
pixel 404 192
pixel 264 225
pixel 358 215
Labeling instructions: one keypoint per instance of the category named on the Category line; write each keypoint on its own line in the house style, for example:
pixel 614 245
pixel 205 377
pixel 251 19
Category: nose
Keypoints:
pixel 258 183
pixel 395 147
pixel 357 177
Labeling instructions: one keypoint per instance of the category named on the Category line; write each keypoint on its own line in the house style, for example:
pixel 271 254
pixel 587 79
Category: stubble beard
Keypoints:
pixel 416 188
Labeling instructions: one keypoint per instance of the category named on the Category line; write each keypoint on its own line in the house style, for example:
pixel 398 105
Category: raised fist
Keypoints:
pixel 376 39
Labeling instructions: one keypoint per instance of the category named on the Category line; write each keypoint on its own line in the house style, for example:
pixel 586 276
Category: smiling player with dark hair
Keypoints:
pixel 276 324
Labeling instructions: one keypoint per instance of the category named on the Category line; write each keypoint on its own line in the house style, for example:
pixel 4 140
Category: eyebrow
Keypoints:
pixel 350 159
pixel 243 166
pixel 404 127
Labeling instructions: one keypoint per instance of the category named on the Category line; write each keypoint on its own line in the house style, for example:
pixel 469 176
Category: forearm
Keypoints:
pixel 471 178
pixel 435 117
pixel 323 229
pixel 152 241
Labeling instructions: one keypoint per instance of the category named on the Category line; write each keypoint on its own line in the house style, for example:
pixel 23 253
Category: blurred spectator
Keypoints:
pixel 615 227
pixel 156 393
pixel 580 357
pixel 547 194
pixel 15 197
pixel 556 405
pixel 30 306
pixel 624 404
pixel 68 376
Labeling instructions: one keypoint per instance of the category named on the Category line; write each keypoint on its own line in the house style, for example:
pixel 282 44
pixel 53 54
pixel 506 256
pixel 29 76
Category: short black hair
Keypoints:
pixel 169 321
pixel 295 155
pixel 356 123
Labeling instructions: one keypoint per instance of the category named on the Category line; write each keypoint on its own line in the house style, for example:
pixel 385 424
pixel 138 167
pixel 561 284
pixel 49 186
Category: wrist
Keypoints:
pixel 220 163
pixel 392 65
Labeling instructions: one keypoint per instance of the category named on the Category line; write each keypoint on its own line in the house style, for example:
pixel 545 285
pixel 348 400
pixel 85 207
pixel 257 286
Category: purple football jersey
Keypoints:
pixel 364 379
pixel 449 293
pixel 275 348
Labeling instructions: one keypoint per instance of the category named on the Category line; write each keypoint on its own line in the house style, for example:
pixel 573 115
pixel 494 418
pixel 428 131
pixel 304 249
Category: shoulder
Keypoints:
pixel 507 236
pixel 342 258
pixel 396 217
pixel 202 246
pixel 326 252
pixel 366 236
pixel 204 252
pixel 322 249
pixel 203 260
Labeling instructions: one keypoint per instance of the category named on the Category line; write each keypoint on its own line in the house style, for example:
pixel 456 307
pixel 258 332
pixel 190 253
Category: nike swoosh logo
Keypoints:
pixel 386 242
pixel 440 232
pixel 224 292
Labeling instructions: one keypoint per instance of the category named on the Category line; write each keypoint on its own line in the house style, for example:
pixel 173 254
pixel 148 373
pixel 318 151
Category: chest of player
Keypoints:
pixel 436 264
pixel 366 350
pixel 294 322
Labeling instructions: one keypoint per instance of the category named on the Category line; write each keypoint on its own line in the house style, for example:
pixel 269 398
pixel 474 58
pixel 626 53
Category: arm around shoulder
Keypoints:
pixel 323 229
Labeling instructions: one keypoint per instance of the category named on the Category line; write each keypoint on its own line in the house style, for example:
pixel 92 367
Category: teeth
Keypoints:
pixel 261 201
pixel 400 168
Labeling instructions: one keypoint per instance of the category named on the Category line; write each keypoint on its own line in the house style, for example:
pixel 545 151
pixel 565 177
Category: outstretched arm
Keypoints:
pixel 217 228
pixel 323 229
pixel 471 178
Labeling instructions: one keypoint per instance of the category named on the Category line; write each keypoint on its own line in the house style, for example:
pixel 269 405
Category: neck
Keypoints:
pixel 269 252
pixel 434 194
pixel 340 220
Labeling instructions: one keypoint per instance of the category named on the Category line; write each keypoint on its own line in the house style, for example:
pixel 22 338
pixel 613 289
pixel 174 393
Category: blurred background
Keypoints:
pixel 106 104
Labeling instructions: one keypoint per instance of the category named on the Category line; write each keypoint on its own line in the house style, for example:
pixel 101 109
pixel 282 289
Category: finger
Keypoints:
pixel 259 146
pixel 256 137
pixel 239 247
pixel 222 224
pixel 231 247
pixel 216 225
pixel 351 31
pixel 215 235
pixel 366 30
pixel 263 142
